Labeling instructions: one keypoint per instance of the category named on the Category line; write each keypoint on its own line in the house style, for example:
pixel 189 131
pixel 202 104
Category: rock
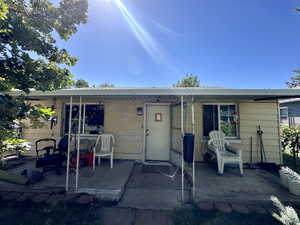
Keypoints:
pixel 223 207
pixel 11 196
pixel 150 217
pixel 71 197
pixel 240 208
pixel 55 199
pixel 125 216
pixel 85 199
pixel 39 198
pixel 206 205
pixel 257 209
pixel 25 197
pixel 2 194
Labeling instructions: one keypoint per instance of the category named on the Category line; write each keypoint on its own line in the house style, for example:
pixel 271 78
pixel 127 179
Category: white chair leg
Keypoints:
pixel 241 168
pixel 99 160
pixel 222 167
pixel 111 161
pixel 219 166
pixel 94 161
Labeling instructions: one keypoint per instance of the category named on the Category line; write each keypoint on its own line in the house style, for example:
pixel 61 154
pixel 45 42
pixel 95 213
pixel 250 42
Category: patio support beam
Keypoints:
pixel 78 142
pixel 69 143
pixel 193 130
pixel 182 160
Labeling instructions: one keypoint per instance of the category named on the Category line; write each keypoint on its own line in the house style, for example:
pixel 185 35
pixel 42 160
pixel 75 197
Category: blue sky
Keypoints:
pixel 228 43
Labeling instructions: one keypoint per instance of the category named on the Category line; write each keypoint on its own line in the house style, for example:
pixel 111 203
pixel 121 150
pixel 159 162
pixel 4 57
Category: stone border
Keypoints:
pixel 262 207
pixel 49 198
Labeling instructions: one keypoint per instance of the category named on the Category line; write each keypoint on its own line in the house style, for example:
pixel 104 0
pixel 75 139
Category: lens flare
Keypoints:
pixel 141 34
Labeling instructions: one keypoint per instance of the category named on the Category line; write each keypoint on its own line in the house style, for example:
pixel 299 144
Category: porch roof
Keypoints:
pixel 205 92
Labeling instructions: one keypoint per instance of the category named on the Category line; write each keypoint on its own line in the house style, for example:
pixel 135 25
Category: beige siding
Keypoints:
pixel 198 109
pixel 265 115
pixel 176 128
pixel 122 120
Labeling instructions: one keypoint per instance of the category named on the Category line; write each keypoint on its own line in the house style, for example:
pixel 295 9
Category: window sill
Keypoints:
pixel 230 140
pixel 86 135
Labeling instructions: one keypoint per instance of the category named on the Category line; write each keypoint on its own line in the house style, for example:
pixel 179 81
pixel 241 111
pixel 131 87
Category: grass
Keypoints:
pixel 43 215
pixel 196 216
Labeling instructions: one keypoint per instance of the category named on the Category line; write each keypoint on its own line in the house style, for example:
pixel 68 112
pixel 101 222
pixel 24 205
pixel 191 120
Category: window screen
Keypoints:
pixel 220 116
pixel 210 119
pixel 92 121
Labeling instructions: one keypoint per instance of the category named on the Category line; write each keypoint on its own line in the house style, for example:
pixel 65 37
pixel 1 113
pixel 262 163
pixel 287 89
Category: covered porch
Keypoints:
pixel 124 113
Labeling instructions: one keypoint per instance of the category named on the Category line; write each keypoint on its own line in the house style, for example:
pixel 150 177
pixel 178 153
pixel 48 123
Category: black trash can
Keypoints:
pixel 188 147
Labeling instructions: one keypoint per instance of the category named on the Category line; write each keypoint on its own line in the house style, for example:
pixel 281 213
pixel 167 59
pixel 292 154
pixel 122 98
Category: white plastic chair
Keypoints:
pixel 224 152
pixel 104 147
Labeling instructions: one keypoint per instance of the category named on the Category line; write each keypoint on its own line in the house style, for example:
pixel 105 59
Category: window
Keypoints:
pixel 284 115
pixel 92 121
pixel 220 116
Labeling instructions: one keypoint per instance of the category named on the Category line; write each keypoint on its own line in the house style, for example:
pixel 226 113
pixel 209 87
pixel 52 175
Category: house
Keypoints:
pixel 148 123
pixel 290 112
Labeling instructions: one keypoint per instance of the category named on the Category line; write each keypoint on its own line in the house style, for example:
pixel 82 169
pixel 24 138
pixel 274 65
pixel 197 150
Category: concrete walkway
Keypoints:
pixel 154 187
pixel 129 216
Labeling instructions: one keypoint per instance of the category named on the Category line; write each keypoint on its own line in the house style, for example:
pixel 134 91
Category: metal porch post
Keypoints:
pixel 182 160
pixel 78 143
pixel 69 143
pixel 193 127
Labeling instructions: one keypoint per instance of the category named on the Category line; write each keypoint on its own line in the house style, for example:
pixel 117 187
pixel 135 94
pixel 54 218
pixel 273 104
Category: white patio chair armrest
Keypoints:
pixel 209 142
pixel 233 149
pixel 211 147
pixel 214 150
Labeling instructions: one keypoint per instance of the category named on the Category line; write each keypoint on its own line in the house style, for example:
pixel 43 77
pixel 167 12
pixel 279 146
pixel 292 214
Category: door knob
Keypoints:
pixel 147 132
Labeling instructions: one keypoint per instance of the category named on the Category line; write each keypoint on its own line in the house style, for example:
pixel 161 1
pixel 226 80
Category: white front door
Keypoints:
pixel 157 132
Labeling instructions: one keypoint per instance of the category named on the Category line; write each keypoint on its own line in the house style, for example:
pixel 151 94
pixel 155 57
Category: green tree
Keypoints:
pixel 81 83
pixel 106 85
pixel 29 55
pixel 294 80
pixel 189 80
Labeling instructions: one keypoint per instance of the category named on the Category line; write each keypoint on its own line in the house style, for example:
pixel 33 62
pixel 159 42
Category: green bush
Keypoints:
pixel 17 145
pixel 289 137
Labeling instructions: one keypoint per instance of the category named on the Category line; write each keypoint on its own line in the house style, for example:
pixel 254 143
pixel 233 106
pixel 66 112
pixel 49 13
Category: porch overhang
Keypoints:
pixel 197 93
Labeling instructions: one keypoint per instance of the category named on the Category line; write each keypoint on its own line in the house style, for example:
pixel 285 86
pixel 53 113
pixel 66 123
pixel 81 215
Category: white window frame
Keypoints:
pixel 83 119
pixel 219 117
pixel 287 119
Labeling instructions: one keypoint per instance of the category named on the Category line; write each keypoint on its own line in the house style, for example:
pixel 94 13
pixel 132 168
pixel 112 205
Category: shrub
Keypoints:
pixel 287 215
pixel 289 137
pixel 14 144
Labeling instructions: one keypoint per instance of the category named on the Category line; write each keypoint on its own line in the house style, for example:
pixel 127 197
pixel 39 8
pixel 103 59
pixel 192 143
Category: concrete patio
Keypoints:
pixel 107 184
pixel 255 186
pixel 135 185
